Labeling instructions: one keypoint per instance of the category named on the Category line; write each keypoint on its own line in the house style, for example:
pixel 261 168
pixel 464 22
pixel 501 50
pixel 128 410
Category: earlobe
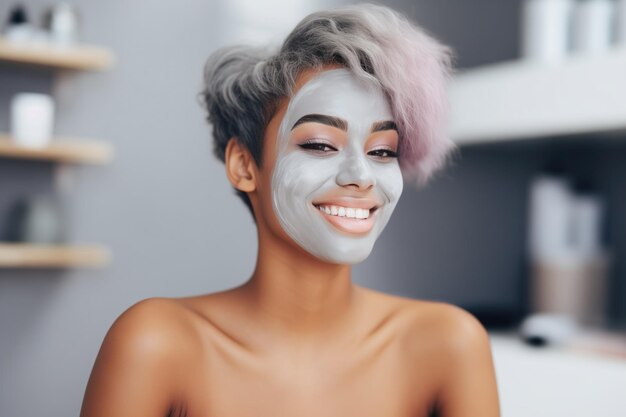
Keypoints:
pixel 239 166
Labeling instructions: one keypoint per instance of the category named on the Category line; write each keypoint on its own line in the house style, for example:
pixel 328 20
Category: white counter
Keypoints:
pixel 554 382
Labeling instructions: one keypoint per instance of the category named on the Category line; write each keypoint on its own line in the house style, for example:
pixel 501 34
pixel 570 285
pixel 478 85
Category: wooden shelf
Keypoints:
pixel 20 255
pixel 519 100
pixel 79 57
pixel 84 151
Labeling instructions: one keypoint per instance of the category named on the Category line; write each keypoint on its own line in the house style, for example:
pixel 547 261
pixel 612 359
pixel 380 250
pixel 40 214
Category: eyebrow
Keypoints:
pixel 323 119
pixel 341 123
pixel 386 125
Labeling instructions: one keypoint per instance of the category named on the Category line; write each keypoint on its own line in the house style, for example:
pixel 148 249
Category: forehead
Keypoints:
pixel 339 93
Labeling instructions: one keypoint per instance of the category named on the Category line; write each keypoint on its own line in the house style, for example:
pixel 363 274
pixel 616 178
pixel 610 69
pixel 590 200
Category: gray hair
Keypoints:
pixel 244 85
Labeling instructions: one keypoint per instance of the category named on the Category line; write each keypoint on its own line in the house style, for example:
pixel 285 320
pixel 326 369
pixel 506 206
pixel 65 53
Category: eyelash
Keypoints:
pixel 316 146
pixel 389 153
pixel 322 147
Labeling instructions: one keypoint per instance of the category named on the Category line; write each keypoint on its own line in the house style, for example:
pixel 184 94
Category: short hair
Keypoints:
pixel 243 85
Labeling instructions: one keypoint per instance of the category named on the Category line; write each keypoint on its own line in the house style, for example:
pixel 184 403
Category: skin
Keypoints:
pixel 348 163
pixel 297 339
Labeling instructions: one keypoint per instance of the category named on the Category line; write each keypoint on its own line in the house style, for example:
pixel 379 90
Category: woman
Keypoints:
pixel 316 139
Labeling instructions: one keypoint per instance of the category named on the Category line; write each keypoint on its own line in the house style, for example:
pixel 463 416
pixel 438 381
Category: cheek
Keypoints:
pixel 391 182
pixel 297 175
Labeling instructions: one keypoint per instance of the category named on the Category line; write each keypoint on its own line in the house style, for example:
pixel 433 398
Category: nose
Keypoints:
pixel 355 170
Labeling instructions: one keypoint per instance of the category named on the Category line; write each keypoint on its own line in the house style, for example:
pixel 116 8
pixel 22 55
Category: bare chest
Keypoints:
pixel 379 382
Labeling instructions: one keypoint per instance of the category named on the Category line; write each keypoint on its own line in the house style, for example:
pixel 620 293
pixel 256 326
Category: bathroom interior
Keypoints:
pixel 525 229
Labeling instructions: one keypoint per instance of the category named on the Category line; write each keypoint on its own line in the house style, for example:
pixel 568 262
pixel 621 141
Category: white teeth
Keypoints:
pixel 349 212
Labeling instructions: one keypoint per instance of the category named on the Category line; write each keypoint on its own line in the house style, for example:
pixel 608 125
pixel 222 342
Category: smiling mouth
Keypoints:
pixel 354 213
pixel 349 220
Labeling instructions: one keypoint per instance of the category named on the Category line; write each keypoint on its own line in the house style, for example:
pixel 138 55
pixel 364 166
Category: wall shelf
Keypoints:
pixel 61 150
pixel 65 150
pixel 79 57
pixel 20 255
pixel 519 100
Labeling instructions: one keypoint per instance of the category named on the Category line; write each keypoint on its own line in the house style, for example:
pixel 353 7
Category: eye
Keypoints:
pixel 383 153
pixel 317 146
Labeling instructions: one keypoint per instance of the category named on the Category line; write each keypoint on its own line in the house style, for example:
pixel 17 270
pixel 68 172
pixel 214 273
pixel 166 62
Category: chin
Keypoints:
pixel 345 254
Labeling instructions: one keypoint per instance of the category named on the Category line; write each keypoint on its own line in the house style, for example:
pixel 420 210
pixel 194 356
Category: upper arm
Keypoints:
pixel 468 381
pixel 134 373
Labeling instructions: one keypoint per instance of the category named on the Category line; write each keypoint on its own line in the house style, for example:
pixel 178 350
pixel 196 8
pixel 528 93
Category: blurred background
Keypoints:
pixel 529 218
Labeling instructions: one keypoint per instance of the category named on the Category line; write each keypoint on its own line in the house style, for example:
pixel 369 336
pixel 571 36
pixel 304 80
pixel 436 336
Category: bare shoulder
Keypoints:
pixel 433 326
pixel 446 328
pixel 154 325
pixel 184 323
pixel 452 347
pixel 141 363
pixel 150 311
pixel 445 350
pixel 435 318
pixel 155 332
pixel 446 321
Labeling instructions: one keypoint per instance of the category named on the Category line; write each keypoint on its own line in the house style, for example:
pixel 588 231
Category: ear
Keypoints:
pixel 240 166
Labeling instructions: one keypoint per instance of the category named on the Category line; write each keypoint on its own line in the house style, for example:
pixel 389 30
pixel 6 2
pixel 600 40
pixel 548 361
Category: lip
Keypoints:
pixel 363 203
pixel 348 225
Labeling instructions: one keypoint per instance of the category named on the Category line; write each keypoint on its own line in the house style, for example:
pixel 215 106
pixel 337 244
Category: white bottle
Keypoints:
pixel 592 26
pixel 32 117
pixel 62 22
pixel 545 29
pixel 549 218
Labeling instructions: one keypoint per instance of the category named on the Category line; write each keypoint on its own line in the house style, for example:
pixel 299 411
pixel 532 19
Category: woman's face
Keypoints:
pixel 335 178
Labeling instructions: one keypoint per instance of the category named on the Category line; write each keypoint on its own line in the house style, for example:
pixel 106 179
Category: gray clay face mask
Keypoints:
pixel 333 188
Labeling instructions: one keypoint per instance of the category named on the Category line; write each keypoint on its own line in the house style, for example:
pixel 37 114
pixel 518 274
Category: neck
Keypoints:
pixel 297 295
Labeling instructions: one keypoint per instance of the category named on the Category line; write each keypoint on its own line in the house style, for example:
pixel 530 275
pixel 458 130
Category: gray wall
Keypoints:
pixel 173 224
pixel 481 31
